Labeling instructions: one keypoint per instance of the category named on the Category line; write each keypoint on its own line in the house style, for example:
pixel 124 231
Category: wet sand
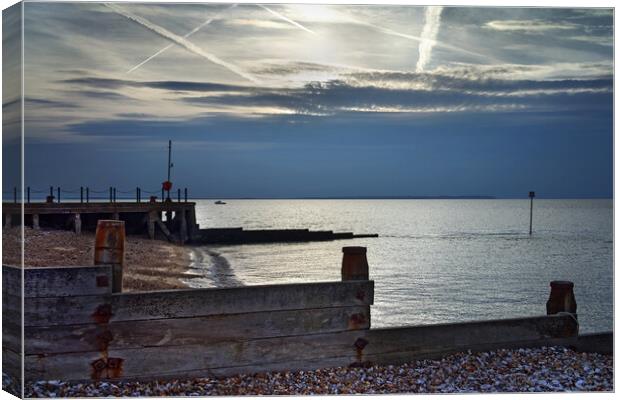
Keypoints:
pixel 218 274
pixel 149 264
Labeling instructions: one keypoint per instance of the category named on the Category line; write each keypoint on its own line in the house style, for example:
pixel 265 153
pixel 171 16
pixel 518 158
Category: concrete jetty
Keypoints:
pixel 174 221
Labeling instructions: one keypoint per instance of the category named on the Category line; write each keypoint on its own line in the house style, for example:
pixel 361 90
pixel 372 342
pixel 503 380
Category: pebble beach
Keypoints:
pixel 149 264
pixel 546 369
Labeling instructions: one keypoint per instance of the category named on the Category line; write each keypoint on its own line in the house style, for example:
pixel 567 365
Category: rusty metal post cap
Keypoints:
pixel 561 284
pixel 354 250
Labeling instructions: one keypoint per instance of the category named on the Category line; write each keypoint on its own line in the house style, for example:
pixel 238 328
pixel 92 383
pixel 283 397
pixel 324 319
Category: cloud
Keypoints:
pixel 98 95
pixel 598 40
pixel 357 97
pixel 294 67
pixel 451 74
pixel 529 26
pixel 432 19
pixel 355 71
pixel 428 92
pixel 459 88
pixel 35 102
pixel 258 23
pixel 180 86
pixel 509 72
pixel 181 41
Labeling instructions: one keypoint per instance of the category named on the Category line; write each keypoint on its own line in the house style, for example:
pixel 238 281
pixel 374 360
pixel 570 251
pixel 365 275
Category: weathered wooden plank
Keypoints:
pixel 12 335
pixel 384 345
pixel 11 280
pixel 58 281
pixel 374 359
pixel 196 302
pixel 284 366
pixel 12 363
pixel 601 342
pixel 170 360
pixel 11 321
pixel 198 330
pixel 432 338
pixel 439 351
pixel 11 307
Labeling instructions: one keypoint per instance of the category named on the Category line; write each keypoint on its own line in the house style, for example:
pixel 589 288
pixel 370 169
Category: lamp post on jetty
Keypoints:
pixel 168 185
pixel 531 196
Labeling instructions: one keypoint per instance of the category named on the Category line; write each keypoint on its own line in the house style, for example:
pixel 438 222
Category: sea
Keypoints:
pixel 435 261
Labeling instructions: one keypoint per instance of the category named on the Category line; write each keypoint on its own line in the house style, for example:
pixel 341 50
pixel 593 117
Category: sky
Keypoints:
pixel 313 100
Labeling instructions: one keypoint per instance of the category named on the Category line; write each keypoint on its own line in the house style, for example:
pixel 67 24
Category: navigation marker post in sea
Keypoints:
pixel 531 196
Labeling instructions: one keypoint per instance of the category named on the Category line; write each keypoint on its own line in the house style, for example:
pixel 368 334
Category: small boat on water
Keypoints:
pixel 220 202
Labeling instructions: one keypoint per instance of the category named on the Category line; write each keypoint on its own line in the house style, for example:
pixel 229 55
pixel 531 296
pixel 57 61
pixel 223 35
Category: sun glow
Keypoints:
pixel 315 13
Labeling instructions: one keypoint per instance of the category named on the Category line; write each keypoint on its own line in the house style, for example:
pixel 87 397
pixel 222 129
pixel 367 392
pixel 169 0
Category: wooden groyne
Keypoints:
pixel 170 220
pixel 77 328
pixel 239 235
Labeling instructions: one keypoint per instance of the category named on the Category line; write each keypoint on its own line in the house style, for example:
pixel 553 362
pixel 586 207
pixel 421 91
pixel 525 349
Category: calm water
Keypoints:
pixel 435 260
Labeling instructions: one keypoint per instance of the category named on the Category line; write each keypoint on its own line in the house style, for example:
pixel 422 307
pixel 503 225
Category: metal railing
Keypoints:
pixel 85 194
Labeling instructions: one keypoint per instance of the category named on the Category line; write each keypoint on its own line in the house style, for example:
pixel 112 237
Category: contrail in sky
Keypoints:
pixel 388 31
pixel 181 41
pixel 290 21
pixel 432 19
pixel 190 33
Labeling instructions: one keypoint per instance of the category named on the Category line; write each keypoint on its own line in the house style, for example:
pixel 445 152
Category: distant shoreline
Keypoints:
pixel 359 198
pixel 37 199
pixel 401 198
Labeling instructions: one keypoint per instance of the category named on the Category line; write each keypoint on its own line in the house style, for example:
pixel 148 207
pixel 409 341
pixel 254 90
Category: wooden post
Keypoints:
pixel 15 194
pixel 58 190
pixel 150 221
pixel 186 195
pixel 110 194
pixel 191 223
pixel 114 194
pixel 561 298
pixel 162 195
pixel 28 194
pixel 35 221
pixel 87 194
pixel 81 194
pixel 77 223
pixel 354 264
pixel 179 195
pixel 110 249
pixel 183 233
pixel 531 196
pixel 137 195
pixel 52 191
